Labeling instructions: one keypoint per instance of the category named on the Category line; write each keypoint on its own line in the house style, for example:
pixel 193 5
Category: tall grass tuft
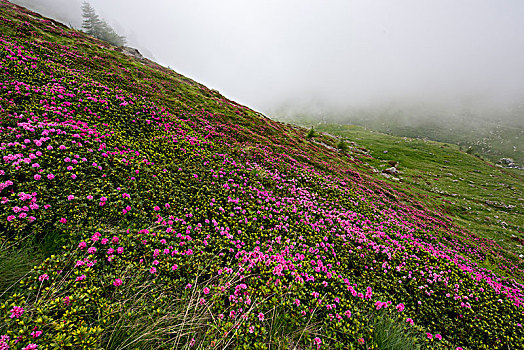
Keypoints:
pixel 390 333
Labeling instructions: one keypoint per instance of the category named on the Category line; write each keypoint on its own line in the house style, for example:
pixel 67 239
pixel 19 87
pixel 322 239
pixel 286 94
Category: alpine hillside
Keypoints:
pixel 142 210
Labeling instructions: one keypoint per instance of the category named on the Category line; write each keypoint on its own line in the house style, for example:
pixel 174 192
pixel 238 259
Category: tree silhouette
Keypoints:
pixel 91 22
pixel 93 25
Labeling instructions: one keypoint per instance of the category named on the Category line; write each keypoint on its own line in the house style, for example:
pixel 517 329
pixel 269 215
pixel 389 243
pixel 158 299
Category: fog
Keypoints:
pixel 332 56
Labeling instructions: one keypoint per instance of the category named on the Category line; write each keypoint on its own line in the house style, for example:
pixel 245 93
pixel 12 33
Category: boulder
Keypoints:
pixel 391 171
pixel 130 51
pixel 506 161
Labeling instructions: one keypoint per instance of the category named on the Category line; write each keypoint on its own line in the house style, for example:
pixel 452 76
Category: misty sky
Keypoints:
pixel 340 53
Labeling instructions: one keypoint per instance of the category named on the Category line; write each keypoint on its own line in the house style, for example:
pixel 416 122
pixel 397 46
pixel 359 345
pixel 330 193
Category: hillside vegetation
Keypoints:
pixel 482 196
pixel 142 210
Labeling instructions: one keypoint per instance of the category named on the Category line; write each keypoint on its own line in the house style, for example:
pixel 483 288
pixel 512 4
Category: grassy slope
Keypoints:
pixel 490 138
pixel 186 219
pixel 478 195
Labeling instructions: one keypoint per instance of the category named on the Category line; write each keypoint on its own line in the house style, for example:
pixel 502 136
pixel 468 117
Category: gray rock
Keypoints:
pixel 130 51
pixel 391 171
pixel 506 161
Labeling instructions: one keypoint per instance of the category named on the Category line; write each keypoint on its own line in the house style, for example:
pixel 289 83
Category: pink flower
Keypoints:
pixel 261 316
pixel 251 329
pixel 120 250
pixel 361 340
pixel 152 270
pixel 70 197
pixel 3 342
pixel 11 218
pixel 91 250
pixel 117 282
pixel 317 342
pixel 400 307
pixel 63 220
pixel 89 197
pixel 37 177
pixel 30 347
pixel 189 285
pixel 43 277
pixel 36 334
pixel 16 312
pixel 80 278
pixel 50 176
pixel 66 301
pixel 429 335
pixel 156 208
pixel 438 336
pixel 82 245
pixel 174 267
pixel 206 290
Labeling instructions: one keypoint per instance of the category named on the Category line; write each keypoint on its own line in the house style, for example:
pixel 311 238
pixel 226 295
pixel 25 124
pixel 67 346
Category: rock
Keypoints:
pixel 391 171
pixel 130 51
pixel 388 176
pixel 506 161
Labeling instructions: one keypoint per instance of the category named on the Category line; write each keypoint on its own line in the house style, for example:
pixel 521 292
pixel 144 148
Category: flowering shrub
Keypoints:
pixel 262 239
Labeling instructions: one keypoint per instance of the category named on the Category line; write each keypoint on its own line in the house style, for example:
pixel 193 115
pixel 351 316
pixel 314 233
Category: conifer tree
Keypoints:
pixel 108 34
pixel 91 22
pixel 99 28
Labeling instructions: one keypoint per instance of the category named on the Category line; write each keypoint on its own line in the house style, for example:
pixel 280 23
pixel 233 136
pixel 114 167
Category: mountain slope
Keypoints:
pixel 475 193
pixel 187 220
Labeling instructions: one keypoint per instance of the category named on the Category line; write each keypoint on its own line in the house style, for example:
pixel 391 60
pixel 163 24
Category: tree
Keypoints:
pixel 93 25
pixel 311 133
pixel 91 22
pixel 109 35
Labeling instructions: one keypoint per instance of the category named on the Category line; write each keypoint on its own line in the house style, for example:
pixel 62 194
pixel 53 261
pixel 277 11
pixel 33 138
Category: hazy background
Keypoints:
pixel 408 61
pixel 336 53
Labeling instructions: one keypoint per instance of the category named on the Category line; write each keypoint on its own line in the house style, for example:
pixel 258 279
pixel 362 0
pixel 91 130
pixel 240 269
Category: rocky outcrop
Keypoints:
pixel 130 51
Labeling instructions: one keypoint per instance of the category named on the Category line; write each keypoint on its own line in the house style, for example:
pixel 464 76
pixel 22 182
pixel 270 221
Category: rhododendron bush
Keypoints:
pixel 231 228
